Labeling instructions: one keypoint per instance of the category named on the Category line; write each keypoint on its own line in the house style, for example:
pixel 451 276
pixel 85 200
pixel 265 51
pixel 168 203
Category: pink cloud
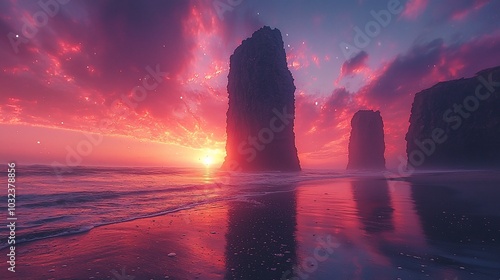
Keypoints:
pixel 461 14
pixel 457 10
pixel 414 8
pixel 354 65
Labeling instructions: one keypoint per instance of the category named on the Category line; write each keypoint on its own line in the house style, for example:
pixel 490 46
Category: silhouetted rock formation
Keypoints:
pixel 261 112
pixel 366 144
pixel 456 123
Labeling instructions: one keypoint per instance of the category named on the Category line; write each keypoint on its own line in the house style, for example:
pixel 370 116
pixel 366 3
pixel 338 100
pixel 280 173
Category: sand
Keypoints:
pixel 138 248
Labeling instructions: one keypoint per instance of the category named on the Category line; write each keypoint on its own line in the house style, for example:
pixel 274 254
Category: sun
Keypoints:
pixel 210 157
pixel 208 160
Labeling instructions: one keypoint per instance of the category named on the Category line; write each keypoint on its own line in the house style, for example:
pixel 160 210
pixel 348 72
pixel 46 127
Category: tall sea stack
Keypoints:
pixel 366 144
pixel 456 124
pixel 261 112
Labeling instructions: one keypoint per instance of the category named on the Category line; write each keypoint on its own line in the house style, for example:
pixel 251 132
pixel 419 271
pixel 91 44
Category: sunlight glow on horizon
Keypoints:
pixel 212 157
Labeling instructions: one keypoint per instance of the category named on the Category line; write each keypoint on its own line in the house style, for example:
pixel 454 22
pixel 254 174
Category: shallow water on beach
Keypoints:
pixel 309 225
pixel 82 198
pixel 57 202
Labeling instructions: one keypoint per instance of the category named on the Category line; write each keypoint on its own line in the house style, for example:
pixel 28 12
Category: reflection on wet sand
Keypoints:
pixel 381 230
pixel 260 241
pixel 373 203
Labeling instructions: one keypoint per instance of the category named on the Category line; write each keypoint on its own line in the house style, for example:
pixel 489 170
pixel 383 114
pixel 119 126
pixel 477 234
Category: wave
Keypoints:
pixel 98 196
pixel 52 233
pixel 45 170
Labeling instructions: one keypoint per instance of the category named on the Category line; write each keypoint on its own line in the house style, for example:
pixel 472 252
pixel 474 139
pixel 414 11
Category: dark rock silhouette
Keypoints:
pixel 261 112
pixel 366 144
pixel 456 124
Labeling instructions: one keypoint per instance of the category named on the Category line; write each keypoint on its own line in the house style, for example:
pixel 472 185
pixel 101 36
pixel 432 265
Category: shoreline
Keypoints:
pixel 371 222
pixel 131 245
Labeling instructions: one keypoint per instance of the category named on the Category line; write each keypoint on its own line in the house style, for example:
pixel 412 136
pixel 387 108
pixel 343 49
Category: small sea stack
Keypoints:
pixel 260 118
pixel 366 144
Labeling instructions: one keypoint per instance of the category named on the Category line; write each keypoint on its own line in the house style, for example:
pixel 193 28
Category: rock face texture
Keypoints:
pixel 366 144
pixel 261 112
pixel 456 124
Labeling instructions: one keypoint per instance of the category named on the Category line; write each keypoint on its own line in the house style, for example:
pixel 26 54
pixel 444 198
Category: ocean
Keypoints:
pixel 437 224
pixel 51 202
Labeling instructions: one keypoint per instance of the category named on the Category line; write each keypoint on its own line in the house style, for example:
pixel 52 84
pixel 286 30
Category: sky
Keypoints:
pixel 143 83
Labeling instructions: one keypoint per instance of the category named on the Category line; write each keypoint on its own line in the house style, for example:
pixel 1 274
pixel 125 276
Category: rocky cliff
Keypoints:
pixel 366 144
pixel 261 113
pixel 456 124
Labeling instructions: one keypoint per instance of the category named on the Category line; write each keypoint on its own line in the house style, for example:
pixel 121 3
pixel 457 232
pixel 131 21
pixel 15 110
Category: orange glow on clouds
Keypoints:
pixel 65 85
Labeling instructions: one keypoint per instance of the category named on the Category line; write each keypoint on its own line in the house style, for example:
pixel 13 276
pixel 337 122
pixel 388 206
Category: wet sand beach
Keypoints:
pixel 444 226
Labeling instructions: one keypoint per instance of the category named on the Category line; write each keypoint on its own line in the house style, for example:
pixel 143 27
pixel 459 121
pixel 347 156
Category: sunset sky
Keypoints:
pixel 70 76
